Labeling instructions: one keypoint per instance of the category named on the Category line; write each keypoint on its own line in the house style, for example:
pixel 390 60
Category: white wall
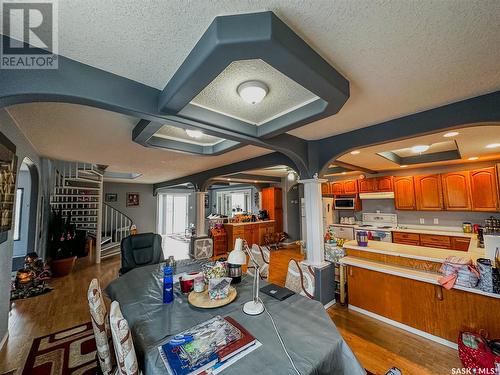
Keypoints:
pixel 144 215
pixel 24 149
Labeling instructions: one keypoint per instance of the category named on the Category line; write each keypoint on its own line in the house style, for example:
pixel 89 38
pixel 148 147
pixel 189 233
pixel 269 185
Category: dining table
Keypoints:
pixel 313 342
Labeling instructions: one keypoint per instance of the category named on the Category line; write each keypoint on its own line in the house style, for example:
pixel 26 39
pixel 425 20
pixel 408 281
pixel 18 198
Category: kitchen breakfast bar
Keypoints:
pixel 398 284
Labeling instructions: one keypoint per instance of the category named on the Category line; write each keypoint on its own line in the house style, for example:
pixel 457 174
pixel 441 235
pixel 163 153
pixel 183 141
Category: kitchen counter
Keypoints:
pixel 250 222
pixel 418 275
pixel 398 284
pixel 417 252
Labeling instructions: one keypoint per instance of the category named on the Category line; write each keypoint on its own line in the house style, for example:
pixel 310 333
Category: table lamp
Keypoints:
pixel 239 256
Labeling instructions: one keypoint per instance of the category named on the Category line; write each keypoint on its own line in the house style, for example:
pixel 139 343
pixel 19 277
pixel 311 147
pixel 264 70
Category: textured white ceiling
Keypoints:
pixel 178 134
pixel 73 132
pixel 471 142
pixel 401 57
pixel 284 93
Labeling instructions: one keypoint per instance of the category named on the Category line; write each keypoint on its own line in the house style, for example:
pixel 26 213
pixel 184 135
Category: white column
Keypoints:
pixel 314 221
pixel 200 213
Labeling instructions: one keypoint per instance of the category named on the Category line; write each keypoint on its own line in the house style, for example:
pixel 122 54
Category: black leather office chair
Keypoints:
pixel 140 250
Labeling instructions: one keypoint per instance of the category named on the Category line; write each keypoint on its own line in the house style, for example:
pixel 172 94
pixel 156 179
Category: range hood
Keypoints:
pixel 380 195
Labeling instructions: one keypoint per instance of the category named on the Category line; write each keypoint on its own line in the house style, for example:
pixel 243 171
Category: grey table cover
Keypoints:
pixel 310 336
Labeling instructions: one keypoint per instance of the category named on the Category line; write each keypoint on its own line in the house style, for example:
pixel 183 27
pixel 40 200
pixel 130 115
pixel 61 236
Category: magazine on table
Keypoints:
pixel 208 347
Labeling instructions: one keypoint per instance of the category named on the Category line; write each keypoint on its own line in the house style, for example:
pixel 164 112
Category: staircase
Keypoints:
pixel 115 226
pixel 77 190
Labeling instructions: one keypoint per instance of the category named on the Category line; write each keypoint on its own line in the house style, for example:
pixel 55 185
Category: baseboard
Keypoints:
pixel 4 340
pixel 415 331
pixel 330 304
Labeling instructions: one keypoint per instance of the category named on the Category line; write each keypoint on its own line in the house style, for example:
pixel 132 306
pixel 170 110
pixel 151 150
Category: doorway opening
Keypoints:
pixel 25 216
pixel 173 223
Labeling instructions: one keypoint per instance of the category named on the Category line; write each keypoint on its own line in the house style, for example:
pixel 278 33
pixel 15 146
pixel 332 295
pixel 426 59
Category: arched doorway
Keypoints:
pixel 26 208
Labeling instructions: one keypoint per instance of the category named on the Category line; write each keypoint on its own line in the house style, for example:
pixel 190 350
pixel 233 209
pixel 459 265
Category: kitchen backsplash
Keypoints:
pixel 445 218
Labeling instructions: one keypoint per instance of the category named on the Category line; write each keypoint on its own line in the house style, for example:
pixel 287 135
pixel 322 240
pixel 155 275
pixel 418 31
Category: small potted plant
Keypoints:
pixel 61 244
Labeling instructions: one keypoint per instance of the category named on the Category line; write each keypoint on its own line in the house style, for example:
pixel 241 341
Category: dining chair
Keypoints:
pixel 102 332
pixel 300 278
pixel 261 255
pixel 126 358
pixel 141 250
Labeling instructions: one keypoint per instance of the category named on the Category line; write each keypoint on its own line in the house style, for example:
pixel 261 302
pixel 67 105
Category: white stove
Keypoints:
pixel 378 226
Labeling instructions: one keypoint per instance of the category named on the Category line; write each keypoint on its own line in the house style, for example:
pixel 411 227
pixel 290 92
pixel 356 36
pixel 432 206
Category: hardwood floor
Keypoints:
pixel 378 346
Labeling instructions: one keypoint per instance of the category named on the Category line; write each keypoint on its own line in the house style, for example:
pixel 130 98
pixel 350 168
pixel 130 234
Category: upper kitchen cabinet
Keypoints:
pixel 325 188
pixel 483 187
pixel 351 187
pixel 337 188
pixel 384 183
pixel 428 192
pixel 367 185
pixel 375 184
pixel 456 191
pixel 404 193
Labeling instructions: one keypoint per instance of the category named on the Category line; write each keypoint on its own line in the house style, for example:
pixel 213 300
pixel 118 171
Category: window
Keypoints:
pixel 17 219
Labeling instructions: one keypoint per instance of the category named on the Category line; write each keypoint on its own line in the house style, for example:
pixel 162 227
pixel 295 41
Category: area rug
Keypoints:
pixel 72 351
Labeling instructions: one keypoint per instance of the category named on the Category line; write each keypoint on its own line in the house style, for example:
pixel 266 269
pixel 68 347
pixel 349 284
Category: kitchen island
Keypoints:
pixel 398 284
pixel 252 232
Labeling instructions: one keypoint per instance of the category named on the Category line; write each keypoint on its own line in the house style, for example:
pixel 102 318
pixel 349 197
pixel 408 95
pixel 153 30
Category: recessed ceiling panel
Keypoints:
pixel 284 94
pixel 179 134
pixel 433 148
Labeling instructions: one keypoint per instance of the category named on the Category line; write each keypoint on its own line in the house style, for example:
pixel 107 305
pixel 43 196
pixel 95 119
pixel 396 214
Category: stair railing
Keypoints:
pixel 115 224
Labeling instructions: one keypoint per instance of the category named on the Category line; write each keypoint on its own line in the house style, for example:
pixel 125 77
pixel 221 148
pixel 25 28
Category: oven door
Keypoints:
pixel 344 203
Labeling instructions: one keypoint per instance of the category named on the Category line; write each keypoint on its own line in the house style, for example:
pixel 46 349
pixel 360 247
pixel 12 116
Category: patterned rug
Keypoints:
pixel 72 351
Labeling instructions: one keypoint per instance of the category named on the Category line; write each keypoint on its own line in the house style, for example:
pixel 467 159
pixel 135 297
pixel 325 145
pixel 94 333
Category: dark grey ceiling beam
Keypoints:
pixel 480 110
pixel 253 177
pixel 203 179
pixel 353 167
pixel 77 83
pixel 254 36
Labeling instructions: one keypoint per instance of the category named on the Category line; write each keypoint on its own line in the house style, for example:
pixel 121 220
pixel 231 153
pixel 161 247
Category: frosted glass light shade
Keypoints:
pixel 252 92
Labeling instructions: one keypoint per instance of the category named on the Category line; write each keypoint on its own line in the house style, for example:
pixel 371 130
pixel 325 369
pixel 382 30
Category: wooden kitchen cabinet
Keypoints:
pixel 483 187
pixel 456 191
pixel 272 202
pixel 350 187
pixel 424 306
pixel 428 192
pixel 337 188
pixel 376 184
pixel 384 183
pixel 325 188
pixel 367 185
pixel 460 243
pixel 406 238
pixel 432 240
pixel 404 193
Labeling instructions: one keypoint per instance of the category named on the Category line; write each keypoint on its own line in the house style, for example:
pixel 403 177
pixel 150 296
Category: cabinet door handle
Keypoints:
pixel 439 292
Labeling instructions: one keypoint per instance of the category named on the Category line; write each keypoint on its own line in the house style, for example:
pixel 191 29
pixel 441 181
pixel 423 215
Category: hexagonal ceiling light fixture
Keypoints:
pixel 230 43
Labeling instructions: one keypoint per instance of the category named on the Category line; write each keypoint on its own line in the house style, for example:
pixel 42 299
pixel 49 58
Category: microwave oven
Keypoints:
pixel 344 203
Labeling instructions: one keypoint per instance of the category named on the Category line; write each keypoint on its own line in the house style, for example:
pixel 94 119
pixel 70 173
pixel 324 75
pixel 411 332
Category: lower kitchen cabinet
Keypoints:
pixel 432 240
pixel 424 306
pixel 253 233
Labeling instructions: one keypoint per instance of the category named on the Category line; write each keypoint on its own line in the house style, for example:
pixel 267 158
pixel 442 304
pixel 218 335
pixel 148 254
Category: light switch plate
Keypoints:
pixel 422 220
pixel 436 220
